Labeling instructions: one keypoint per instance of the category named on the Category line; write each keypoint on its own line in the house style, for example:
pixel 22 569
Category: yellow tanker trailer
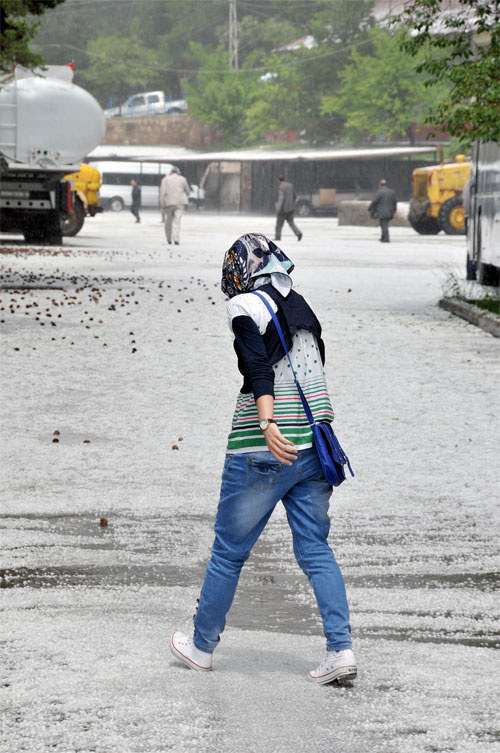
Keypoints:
pixel 437 198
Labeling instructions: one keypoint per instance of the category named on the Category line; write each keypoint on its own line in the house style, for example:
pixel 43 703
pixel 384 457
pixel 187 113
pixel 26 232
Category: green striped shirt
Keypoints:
pixel 245 434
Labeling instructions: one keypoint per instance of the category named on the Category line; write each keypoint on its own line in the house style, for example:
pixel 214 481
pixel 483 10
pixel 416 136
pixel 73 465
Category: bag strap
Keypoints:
pixel 343 457
pixel 307 409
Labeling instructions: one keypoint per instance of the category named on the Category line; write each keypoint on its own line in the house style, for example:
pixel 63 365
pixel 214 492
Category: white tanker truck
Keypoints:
pixel 47 126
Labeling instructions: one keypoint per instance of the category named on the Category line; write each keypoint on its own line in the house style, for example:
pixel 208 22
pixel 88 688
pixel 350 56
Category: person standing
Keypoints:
pixel 136 199
pixel 263 465
pixel 383 208
pixel 174 196
pixel 285 208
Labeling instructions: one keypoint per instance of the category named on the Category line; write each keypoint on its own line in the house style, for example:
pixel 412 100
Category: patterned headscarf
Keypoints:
pixel 253 256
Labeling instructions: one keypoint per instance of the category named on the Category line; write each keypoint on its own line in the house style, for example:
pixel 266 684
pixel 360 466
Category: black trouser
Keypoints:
pixel 280 221
pixel 135 211
pixel 384 227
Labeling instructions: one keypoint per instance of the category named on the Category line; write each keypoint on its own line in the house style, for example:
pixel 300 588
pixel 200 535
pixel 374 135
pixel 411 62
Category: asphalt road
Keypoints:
pixel 117 346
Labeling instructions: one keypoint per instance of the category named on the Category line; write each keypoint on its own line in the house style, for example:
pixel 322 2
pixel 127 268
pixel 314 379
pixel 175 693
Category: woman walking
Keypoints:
pixel 271 457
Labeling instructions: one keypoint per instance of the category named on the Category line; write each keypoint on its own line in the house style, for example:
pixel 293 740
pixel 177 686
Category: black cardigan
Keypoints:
pixel 258 353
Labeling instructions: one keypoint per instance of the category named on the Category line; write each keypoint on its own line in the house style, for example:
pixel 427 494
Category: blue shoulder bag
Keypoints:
pixel 332 456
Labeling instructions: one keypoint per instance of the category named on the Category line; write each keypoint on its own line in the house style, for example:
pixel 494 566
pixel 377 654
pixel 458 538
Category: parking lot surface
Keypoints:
pixel 118 385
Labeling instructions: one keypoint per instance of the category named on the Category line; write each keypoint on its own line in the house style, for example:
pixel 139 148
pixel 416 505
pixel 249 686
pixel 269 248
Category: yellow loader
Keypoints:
pixel 437 197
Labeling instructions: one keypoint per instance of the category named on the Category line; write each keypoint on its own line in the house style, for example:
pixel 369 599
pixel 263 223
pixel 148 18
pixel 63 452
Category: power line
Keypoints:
pixel 243 71
pixel 231 70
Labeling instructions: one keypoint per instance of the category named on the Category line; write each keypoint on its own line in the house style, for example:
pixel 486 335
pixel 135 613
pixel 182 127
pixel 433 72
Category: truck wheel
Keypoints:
pixel 451 216
pixel 72 222
pixel 303 209
pixel 116 204
pixel 425 226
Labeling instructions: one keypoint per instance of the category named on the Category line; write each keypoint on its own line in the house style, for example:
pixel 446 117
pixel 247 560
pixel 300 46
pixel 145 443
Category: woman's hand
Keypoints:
pixel 282 449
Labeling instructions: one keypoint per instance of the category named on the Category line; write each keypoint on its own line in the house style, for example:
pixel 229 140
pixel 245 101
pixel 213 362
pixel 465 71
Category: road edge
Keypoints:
pixel 473 314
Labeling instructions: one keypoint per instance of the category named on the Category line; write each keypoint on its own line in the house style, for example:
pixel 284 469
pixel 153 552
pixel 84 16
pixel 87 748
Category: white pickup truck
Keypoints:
pixel 147 103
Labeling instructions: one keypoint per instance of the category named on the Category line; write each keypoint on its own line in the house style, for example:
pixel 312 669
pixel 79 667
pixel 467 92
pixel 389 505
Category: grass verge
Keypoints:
pixel 485 298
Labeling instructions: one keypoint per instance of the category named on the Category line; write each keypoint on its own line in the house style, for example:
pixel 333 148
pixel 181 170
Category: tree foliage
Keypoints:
pixel 218 98
pixel 460 48
pixel 17 31
pixel 353 84
pixel 129 67
pixel 290 98
pixel 257 38
pixel 342 22
pixel 380 94
pixel 279 102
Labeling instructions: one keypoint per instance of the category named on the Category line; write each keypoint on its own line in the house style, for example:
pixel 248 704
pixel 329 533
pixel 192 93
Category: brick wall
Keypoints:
pixel 158 130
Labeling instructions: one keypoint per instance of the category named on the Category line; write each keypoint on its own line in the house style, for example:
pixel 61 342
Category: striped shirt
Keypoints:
pixel 245 434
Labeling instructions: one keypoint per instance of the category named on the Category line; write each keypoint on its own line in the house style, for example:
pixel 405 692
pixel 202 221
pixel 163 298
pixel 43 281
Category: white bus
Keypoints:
pixel 115 191
pixel 483 229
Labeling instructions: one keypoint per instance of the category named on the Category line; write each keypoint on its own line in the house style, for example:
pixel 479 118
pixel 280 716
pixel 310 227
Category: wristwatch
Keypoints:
pixel 264 424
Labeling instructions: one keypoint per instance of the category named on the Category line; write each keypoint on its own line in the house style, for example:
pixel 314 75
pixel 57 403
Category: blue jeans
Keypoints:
pixel 252 485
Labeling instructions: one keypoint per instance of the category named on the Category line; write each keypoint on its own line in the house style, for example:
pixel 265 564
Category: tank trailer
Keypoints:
pixel 47 126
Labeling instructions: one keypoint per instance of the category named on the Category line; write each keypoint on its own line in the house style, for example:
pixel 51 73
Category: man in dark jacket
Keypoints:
pixel 383 208
pixel 136 200
pixel 285 207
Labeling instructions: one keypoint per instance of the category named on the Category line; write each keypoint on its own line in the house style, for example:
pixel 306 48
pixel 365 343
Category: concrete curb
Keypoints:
pixel 356 213
pixel 473 314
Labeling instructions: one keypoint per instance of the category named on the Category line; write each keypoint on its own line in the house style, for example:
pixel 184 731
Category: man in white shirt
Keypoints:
pixel 174 196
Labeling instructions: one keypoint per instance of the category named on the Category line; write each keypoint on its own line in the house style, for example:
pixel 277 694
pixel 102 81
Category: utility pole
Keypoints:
pixel 233 36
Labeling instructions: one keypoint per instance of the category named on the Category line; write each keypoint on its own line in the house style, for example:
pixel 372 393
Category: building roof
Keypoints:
pixel 167 154
pixel 295 155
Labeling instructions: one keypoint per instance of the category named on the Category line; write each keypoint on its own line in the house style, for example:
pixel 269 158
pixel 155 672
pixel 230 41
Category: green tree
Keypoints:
pixel 342 22
pixel 257 39
pixel 120 66
pixel 459 47
pixel 65 33
pixel 380 94
pixel 291 99
pixel 220 98
pixel 17 31
pixel 278 101
pixel 170 28
pixel 337 27
pixel 80 30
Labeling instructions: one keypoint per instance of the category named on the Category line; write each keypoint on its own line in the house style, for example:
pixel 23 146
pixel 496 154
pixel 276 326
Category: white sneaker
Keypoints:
pixel 183 648
pixel 337 665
